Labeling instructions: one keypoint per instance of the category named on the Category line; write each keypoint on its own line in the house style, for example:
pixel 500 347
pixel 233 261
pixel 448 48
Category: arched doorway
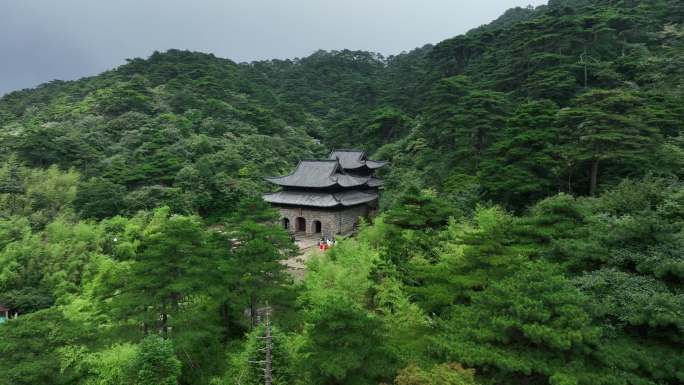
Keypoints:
pixel 301 224
pixel 317 227
pixel 286 223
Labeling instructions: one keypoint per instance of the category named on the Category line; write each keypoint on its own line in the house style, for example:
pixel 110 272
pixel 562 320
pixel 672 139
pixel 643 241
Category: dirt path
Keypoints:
pixel 308 247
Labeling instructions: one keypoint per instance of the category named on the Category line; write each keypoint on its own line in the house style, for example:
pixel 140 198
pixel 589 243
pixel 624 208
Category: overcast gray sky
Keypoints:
pixel 41 40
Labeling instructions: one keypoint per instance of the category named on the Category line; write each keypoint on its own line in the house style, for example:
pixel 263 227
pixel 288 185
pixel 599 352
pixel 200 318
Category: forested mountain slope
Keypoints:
pixel 163 128
pixel 532 228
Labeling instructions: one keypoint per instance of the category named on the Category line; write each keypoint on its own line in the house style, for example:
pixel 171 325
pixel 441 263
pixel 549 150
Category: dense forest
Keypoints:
pixel 531 231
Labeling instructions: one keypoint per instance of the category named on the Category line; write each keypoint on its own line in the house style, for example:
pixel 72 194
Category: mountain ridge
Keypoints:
pixel 351 99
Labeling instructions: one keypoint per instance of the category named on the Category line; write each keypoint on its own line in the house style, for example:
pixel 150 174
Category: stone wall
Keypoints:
pixel 333 222
pixel 348 218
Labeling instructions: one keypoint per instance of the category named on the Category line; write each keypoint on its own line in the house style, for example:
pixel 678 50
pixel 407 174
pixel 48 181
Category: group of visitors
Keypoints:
pixel 326 243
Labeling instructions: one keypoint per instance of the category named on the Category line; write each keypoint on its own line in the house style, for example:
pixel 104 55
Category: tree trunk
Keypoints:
pixel 164 327
pixel 225 317
pixel 164 319
pixel 253 310
pixel 268 370
pixel 594 177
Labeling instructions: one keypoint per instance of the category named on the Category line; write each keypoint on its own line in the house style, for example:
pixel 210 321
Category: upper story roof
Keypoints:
pixel 310 173
pixel 322 174
pixel 355 159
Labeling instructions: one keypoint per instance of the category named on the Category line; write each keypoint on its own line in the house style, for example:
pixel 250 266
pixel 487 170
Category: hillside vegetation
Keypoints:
pixel 532 229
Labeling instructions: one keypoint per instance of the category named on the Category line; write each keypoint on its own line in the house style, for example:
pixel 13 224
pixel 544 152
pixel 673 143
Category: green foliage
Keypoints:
pixel 123 97
pixel 255 267
pixel 39 195
pixel 174 254
pixel 344 345
pixel 419 210
pixel 156 137
pixel 531 230
pixel 411 223
pixel 444 374
pixel 30 348
pixel 41 267
pixel 524 166
pixel 166 285
pixel 197 133
pixel 461 122
pixel 471 257
pixel 27 299
pixel 247 366
pixel 602 127
pixel 376 128
pixel 531 324
pixel 406 325
pixel 344 339
pixel 99 198
pixel 115 365
pixel 156 362
pixel 10 178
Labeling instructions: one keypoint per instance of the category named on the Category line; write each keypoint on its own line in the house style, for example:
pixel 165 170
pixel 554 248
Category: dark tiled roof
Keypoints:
pixel 373 164
pixel 326 200
pixel 350 181
pixel 354 159
pixel 353 198
pixel 300 198
pixel 310 173
pixel 375 182
pixel 349 159
pixel 320 174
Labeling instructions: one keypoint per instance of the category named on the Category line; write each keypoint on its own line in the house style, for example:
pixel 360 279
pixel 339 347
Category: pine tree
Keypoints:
pixel 265 356
pixel 254 264
pixel 529 327
pixel 10 177
pixel 470 258
pixel 463 122
pixel 524 166
pixel 603 129
pixel 172 267
pixel 156 363
pixel 345 344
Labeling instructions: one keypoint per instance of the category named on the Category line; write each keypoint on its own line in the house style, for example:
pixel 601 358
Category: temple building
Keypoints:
pixel 328 197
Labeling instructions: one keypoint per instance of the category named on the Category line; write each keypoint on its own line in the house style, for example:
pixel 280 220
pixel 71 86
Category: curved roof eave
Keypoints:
pixel 375 164
pixel 321 200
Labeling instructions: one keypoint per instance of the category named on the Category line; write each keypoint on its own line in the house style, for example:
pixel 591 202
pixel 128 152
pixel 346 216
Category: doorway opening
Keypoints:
pixel 301 224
